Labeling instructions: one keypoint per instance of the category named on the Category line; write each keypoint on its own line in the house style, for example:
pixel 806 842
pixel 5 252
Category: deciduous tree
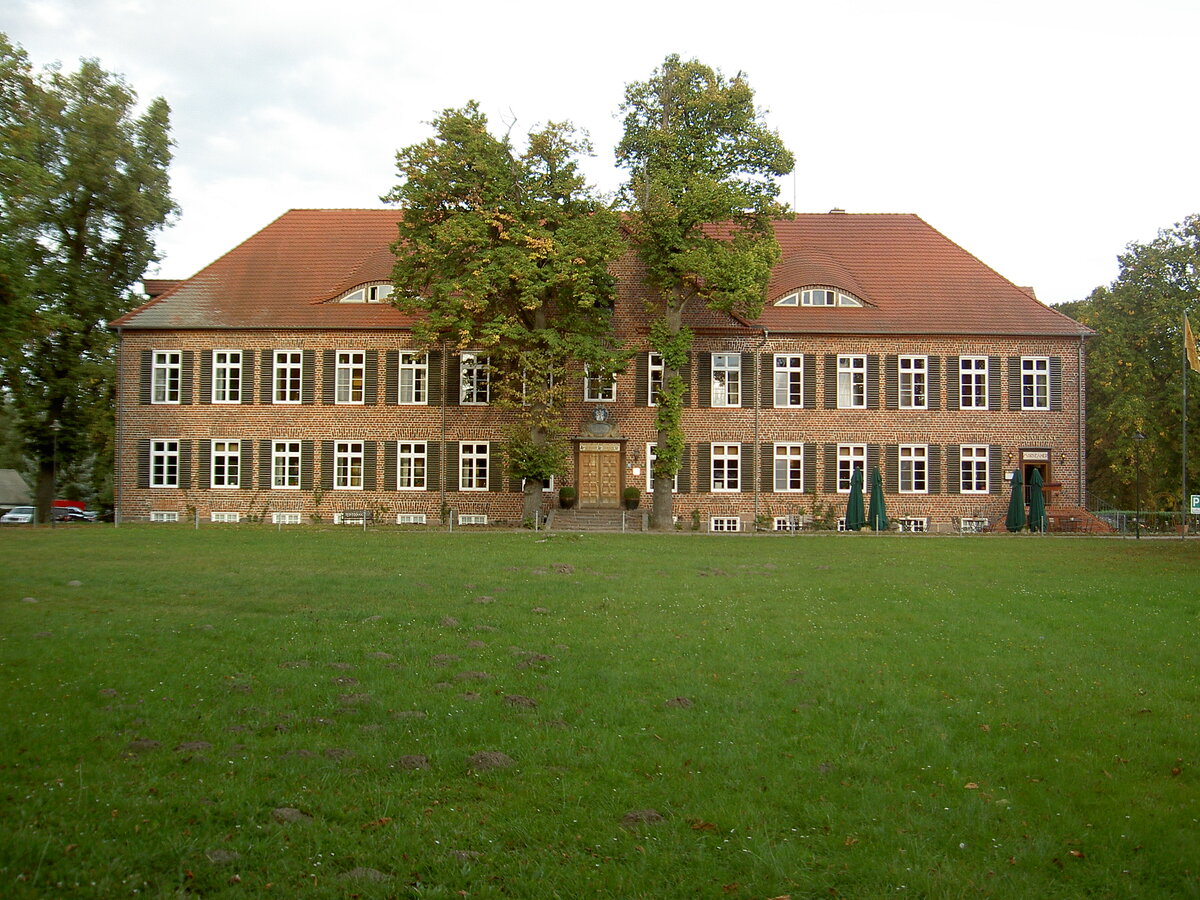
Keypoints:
pixel 702 193
pixel 84 191
pixel 507 254
pixel 1135 375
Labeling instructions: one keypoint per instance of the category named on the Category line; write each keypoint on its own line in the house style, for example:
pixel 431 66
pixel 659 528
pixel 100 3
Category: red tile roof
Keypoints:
pixel 913 278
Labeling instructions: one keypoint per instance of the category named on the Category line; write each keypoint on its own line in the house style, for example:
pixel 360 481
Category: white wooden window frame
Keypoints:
pixel 595 392
pixel 473 459
pixel 225 467
pixel 726 468
pixel 914 382
pixel 411 465
pixel 350 379
pixel 789 380
pixel 227 376
pixel 849 458
pixel 164 464
pixel 851 381
pixel 914 469
pixel 474 380
pixel 789 468
pixel 974 460
pixel 655 372
pixel 166 376
pixel 1035 382
pixel 972 382
pixel 285 465
pixel 650 457
pixel 413 379
pixel 349 464
pixel 727 379
pixel 287 379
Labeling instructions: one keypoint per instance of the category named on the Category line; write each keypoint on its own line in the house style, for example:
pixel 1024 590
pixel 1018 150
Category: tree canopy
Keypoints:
pixel 507 254
pixel 84 190
pixel 702 193
pixel 1135 370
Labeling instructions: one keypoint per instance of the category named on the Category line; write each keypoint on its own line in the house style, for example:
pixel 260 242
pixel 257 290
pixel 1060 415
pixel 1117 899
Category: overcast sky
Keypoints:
pixel 1041 135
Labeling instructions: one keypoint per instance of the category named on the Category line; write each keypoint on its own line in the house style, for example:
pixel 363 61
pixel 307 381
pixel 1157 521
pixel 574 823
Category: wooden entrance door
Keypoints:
pixel 599 475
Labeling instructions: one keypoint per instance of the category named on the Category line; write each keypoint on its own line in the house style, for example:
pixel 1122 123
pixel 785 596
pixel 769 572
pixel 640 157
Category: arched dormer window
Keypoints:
pixel 368 293
pixel 818 297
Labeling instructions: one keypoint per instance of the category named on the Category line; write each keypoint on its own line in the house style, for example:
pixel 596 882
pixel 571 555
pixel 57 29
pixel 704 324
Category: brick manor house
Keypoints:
pixel 278 384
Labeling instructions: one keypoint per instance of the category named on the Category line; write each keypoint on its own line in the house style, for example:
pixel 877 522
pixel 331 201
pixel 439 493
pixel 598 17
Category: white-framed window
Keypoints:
pixel 351 376
pixel 472 519
pixel 473 466
pixel 373 293
pixel 727 379
pixel 597 389
pixel 849 458
pixel 413 378
pixel 227 376
pixel 285 465
pixel 166 375
pixel 348 465
pixel 1035 382
pixel 972 525
pixel 163 515
pixel 787 523
pixel 654 377
pixel 410 465
pixel 410 518
pixel 914 469
pixel 789 468
pixel 289 376
pixel 651 455
pixel 851 382
pixel 285 518
pixel 913 524
pixel 547 488
pixel 914 381
pixel 818 297
pixel 164 464
pixel 726 467
pixel 474 380
pixel 226 464
pixel 789 380
pixel 973 462
pixel 227 517
pixel 973 382
pixel 724 523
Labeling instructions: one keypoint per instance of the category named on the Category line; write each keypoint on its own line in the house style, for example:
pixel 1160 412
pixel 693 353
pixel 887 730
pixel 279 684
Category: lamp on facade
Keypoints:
pixel 1137 490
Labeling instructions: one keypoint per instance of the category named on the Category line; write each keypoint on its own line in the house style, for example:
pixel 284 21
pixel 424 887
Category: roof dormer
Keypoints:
pixel 366 293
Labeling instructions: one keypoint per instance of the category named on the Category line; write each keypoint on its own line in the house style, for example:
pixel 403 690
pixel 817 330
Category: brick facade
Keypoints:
pixel 317 457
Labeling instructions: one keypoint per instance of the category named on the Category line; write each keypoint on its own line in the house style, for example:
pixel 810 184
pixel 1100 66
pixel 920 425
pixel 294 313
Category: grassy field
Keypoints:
pixel 242 712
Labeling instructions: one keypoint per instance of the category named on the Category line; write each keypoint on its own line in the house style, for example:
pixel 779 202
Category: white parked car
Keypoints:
pixel 20 514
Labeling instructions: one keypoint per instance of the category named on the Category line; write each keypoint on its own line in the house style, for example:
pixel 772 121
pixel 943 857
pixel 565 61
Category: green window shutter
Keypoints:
pixel 994 383
pixel 145 379
pixel 933 383
pixel 495 466
pixel 390 460
pixel 810 467
pixel 766 467
pixel 391 377
pixel 704 386
pixel 328 376
pixel 1014 382
pixel 187 361
pixel 766 382
pixel 264 466
pixel 433 464
pixel 891 373
pixel 685 470
pixel 953 382
pixel 206 376
pixel 641 380
pixel 454 385
pixel 830 381
pixel 308 376
pixel 995 470
pixel 748 380
pixel 452 473
pixel 143 464
pixel 266 388
pixel 954 469
pixel 370 465
pixel 436 380
pixel 1056 382
pixel 306 465
pixel 872 462
pixel 830 481
pixel 204 481
pixel 891 469
pixel 934 469
pixel 872 381
pixel 703 468
pixel 327 465
pixel 185 464
pixel 371 377
pixel 746 468
pixel 809 399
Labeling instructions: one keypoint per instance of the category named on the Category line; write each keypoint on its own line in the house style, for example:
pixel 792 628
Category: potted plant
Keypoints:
pixel 631 497
pixel 566 496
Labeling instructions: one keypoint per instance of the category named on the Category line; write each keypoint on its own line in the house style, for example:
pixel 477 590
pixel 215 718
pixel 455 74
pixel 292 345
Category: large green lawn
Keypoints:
pixel 242 711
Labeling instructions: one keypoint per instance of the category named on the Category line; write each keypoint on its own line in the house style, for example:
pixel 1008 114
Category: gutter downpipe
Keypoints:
pixel 757 405
pixel 117 425
pixel 1081 401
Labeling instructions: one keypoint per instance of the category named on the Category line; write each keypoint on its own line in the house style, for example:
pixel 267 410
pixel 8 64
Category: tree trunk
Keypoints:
pixel 531 508
pixel 45 490
pixel 662 513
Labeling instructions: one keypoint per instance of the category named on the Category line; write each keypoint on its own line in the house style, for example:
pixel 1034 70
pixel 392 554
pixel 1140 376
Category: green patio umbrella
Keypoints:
pixel 1037 503
pixel 877 512
pixel 1015 520
pixel 855 517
